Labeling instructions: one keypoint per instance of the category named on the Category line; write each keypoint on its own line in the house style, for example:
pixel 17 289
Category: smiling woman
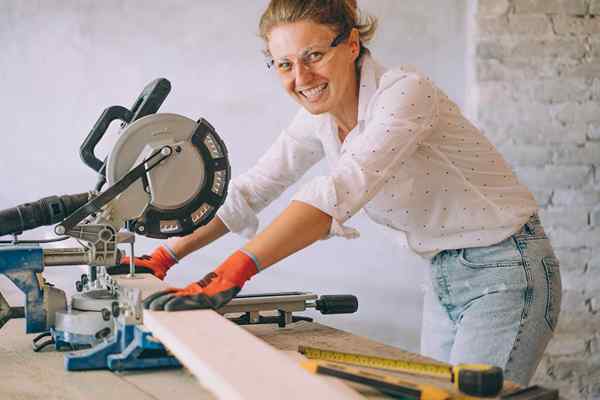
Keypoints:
pixel 315 47
pixel 400 149
pixel 321 78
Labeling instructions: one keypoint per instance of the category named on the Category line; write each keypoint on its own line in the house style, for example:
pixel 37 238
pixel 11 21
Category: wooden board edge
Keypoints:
pixel 234 364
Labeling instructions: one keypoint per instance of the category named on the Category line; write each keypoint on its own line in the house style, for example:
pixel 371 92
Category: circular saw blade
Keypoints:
pixel 175 182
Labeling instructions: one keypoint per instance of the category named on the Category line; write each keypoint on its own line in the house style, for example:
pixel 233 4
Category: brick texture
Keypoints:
pixel 526 24
pixel 493 7
pixel 568 25
pixel 566 7
pixel 537 67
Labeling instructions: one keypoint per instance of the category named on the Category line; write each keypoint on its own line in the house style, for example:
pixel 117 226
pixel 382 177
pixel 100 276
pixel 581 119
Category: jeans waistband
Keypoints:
pixel 531 229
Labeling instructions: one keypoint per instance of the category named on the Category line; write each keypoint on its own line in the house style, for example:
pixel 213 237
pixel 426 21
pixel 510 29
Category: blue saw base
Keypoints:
pixel 22 264
pixel 130 348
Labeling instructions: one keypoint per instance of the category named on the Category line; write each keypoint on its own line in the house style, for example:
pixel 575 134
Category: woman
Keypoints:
pixel 401 149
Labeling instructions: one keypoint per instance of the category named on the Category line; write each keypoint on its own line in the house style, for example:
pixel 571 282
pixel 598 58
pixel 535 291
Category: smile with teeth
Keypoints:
pixel 314 93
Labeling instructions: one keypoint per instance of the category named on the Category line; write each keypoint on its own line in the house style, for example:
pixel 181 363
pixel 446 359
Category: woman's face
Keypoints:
pixel 318 76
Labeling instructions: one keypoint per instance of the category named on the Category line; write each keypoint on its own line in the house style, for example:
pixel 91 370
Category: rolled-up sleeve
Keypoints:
pixel 403 112
pixel 295 150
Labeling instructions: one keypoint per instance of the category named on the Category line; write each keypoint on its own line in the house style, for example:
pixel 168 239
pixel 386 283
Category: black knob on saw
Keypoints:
pixel 115 309
pixel 106 314
pixel 337 304
pixel 102 333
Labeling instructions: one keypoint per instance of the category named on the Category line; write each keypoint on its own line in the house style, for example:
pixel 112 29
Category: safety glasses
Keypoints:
pixel 312 57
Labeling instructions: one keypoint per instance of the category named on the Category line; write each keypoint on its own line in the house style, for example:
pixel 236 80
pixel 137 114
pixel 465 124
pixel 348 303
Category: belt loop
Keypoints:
pixel 534 222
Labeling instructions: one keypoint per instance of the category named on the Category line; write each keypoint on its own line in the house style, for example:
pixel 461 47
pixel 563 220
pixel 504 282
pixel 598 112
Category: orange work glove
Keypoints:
pixel 214 290
pixel 157 263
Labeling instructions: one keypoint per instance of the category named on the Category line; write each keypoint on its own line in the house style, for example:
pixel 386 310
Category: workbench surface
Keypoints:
pixel 26 375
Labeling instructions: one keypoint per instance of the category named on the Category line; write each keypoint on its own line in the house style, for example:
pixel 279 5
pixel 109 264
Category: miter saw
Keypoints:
pixel 166 176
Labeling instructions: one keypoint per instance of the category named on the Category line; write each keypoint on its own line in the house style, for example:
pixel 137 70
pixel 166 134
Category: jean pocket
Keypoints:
pixel 553 290
pixel 503 254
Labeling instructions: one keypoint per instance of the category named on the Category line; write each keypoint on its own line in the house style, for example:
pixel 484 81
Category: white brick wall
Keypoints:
pixel 537 65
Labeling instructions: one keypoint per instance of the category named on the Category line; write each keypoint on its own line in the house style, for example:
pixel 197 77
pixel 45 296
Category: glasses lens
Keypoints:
pixel 311 57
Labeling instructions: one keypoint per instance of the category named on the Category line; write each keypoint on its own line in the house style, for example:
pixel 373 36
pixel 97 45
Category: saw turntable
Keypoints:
pixel 166 176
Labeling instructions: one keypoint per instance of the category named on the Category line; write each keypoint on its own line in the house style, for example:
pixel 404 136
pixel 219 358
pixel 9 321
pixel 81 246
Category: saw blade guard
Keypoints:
pixel 181 193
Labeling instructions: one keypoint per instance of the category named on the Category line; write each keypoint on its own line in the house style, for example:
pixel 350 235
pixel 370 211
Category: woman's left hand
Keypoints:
pixel 213 291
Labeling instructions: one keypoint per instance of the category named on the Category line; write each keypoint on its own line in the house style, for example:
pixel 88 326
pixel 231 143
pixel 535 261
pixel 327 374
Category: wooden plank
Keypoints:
pixel 147 283
pixel 234 364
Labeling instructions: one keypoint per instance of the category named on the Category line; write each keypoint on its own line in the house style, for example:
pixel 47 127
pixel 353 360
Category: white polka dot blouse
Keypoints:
pixel 414 163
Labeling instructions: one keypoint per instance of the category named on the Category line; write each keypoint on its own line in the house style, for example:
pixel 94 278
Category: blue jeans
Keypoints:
pixel 495 305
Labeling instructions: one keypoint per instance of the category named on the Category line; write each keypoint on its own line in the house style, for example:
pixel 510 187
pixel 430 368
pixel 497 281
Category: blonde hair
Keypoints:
pixel 340 15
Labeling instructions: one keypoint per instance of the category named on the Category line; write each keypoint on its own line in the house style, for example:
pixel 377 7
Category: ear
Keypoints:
pixel 354 42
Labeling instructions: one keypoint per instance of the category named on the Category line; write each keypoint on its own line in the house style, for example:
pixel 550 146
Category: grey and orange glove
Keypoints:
pixel 157 263
pixel 213 291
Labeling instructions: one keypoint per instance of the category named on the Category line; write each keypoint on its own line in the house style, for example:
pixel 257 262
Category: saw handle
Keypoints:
pixel 151 98
pixel 88 147
pixel 148 102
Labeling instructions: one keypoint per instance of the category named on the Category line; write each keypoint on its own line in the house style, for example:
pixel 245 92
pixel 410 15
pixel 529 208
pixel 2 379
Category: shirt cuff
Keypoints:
pixel 320 193
pixel 340 230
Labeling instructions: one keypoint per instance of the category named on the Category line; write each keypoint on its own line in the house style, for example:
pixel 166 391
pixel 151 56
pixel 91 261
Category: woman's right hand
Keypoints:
pixel 157 263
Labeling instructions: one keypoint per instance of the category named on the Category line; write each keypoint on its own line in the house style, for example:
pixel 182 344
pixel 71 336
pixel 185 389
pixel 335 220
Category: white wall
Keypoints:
pixel 63 61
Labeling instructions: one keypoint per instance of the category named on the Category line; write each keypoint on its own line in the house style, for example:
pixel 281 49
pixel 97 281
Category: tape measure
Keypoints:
pixel 472 379
pixel 387 384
